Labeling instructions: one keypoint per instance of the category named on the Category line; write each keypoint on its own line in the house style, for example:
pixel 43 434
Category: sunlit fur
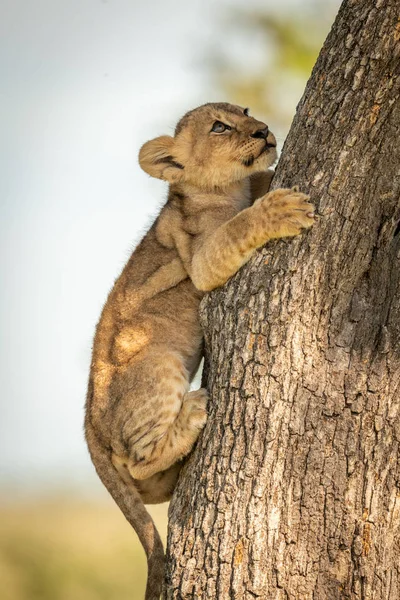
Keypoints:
pixel 141 418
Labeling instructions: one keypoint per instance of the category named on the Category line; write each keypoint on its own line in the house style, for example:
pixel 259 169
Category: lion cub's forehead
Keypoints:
pixel 211 111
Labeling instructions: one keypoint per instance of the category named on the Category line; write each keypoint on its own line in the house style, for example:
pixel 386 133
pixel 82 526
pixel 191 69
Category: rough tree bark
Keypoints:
pixel 293 491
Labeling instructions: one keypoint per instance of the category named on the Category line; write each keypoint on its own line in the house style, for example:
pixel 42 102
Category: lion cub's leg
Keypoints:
pixel 176 441
pixel 156 489
pixel 280 213
pixel 168 418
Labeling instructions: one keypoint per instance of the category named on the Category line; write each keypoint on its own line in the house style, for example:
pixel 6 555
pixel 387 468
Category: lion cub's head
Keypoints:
pixel 214 145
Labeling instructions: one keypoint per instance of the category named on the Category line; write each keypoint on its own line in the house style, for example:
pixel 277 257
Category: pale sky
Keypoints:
pixel 83 83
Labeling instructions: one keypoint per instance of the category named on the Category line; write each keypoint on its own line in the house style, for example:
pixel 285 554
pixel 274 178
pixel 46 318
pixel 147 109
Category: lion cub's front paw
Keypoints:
pixel 286 212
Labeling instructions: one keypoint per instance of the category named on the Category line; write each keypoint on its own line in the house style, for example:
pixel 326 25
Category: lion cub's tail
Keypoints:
pixel 131 504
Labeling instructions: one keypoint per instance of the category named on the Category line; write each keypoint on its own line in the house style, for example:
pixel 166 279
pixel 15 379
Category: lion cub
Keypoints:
pixel 141 418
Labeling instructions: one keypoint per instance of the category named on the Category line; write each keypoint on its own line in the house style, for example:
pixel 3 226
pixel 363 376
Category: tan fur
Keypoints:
pixel 141 418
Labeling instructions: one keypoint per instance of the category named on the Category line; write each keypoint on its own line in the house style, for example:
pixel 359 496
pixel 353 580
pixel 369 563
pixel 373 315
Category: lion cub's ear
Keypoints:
pixel 156 158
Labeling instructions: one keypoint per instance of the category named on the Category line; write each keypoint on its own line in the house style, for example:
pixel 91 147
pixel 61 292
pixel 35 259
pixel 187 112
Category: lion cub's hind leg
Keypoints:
pixel 172 418
pixel 177 440
pixel 156 489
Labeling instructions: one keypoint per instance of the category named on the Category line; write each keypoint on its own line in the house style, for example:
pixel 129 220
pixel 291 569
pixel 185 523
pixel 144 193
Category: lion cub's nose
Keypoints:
pixel 261 133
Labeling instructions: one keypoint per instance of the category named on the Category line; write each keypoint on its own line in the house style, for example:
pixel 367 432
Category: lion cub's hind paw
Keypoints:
pixel 195 407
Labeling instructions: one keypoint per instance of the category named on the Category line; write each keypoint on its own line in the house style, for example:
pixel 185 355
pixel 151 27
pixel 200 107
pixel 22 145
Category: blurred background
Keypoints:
pixel 83 83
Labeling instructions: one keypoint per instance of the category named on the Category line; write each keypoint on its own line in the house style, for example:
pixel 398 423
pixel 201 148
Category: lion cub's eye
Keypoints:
pixel 219 127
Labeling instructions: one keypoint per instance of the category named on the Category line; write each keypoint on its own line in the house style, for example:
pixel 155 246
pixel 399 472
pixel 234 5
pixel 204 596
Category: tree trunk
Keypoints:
pixel 293 491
